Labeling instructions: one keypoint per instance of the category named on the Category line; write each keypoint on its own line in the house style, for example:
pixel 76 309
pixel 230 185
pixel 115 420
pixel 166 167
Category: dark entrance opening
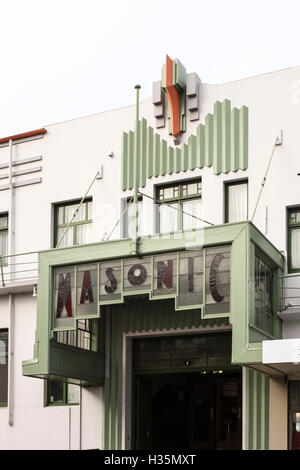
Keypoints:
pixel 179 407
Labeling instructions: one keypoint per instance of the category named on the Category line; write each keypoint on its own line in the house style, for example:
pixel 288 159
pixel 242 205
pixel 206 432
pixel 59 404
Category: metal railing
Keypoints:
pixel 19 268
pixel 290 291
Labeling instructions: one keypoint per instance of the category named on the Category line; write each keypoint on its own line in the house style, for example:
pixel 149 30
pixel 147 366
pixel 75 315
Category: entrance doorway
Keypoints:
pixel 186 395
pixel 189 411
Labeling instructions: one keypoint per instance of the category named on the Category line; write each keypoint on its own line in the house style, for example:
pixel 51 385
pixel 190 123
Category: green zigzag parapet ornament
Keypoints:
pixel 220 143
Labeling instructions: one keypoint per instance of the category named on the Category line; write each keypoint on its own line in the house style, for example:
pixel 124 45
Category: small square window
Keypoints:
pixel 73 223
pixel 236 201
pixel 61 393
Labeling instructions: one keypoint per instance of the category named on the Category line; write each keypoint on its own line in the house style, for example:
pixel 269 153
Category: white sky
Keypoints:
pixel 62 59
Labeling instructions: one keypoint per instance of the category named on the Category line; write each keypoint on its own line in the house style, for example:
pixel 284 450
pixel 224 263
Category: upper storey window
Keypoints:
pixel 179 206
pixel 294 240
pixel 236 201
pixel 80 228
pixel 128 210
pixel 4 236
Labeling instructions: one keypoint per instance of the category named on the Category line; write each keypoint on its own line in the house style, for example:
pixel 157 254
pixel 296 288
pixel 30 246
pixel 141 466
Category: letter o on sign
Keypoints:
pixel 137 275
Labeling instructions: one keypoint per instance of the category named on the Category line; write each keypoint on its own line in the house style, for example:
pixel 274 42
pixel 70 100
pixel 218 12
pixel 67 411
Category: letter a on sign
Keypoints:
pixel 64 298
pixel 86 291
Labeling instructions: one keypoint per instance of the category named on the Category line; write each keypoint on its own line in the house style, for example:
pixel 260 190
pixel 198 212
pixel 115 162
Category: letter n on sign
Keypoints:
pixel 164 274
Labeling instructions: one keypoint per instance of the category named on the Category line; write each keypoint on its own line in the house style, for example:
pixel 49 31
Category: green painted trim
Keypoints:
pixel 251 325
pixel 237 234
pixel 222 142
pixel 290 227
pixel 257 411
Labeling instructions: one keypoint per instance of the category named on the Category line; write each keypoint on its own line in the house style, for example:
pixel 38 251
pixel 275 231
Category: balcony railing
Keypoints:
pixel 21 268
pixel 290 291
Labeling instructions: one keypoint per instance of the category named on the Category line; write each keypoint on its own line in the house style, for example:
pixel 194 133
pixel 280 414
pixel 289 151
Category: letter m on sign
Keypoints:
pixel 64 297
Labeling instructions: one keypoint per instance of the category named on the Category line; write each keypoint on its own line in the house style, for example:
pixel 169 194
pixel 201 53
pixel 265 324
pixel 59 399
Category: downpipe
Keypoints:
pixel 10 296
pixel 10 359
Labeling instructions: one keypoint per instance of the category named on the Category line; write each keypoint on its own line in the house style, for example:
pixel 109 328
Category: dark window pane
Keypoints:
pixel 56 391
pixel 3 366
pixel 263 298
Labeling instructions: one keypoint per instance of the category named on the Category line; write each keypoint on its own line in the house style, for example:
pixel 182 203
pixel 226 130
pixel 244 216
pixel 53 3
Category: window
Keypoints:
pixel 84 337
pixel 294 240
pixel 61 393
pixel 80 229
pixel 128 229
pixel 179 206
pixel 3 367
pixel 4 236
pixel 236 201
pixel 263 314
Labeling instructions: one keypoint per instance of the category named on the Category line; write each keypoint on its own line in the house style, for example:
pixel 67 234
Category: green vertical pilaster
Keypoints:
pixel 149 153
pixel 163 157
pixel 209 139
pixel 226 134
pixel 178 153
pixel 130 158
pixel 200 163
pixel 257 411
pixel 170 160
pixel 235 139
pixel 217 150
pixel 143 152
pixel 124 161
pixel 184 157
pixel 243 138
pixel 156 159
pixel 192 148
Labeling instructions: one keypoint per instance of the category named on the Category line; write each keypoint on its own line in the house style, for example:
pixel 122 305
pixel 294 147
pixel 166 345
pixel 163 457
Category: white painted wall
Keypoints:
pixel 72 153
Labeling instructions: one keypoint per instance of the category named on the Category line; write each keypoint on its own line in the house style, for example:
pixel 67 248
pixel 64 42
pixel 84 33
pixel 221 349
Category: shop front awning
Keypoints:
pixel 282 358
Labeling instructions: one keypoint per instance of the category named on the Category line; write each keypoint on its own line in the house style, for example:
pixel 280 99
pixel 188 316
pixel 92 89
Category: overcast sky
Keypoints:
pixel 62 59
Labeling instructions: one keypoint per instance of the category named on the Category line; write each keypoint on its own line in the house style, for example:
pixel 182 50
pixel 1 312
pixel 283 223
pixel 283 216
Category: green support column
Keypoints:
pixel 257 411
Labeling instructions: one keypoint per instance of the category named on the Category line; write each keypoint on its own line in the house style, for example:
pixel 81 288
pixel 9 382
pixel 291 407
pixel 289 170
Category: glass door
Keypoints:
pixel 202 415
pixel 228 413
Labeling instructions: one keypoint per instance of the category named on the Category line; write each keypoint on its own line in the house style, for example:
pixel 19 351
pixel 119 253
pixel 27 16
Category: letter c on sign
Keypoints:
pixel 213 277
pixel 137 275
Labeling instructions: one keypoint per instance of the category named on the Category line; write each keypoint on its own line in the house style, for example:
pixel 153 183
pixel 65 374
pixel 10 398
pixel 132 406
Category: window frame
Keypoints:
pixel 89 327
pixel 290 228
pixel 179 199
pixel 227 185
pixel 65 401
pixel 5 330
pixel 272 268
pixel 124 217
pixel 74 224
pixel 4 229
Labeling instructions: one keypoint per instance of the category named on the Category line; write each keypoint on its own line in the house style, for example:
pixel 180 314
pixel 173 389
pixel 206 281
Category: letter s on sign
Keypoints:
pixel 112 284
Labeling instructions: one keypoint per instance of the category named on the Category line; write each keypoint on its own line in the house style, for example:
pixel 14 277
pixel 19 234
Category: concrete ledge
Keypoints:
pixel 18 287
